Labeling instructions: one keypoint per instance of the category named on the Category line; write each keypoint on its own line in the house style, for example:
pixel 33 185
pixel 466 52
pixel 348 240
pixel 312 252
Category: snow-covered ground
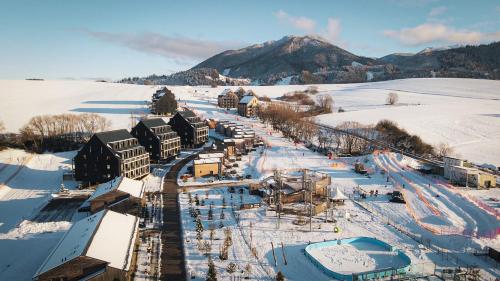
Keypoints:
pixel 356 257
pixel 461 112
pixel 457 217
pixel 26 182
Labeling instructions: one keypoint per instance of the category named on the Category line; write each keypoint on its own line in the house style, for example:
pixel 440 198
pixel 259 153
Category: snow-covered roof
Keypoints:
pixel 335 193
pixel 211 155
pixel 106 236
pixel 114 240
pixel 206 161
pixel 133 187
pixel 226 91
pixel 247 99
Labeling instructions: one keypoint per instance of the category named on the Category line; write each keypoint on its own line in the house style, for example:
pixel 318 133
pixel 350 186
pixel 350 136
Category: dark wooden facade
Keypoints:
pixel 117 201
pixel 228 99
pixel 190 128
pixel 158 138
pixel 108 155
pixel 84 268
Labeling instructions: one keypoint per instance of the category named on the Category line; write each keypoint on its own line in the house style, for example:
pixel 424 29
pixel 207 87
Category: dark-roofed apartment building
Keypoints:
pixel 158 138
pixel 190 128
pixel 111 154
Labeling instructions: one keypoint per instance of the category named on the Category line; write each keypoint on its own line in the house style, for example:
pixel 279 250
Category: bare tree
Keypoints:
pixel 2 127
pixel 444 149
pixel 69 126
pixel 392 98
pixel 326 103
pixel 349 142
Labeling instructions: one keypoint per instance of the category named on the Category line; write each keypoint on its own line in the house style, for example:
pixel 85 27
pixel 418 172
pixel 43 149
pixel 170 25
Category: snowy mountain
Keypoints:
pixel 290 56
pixel 313 60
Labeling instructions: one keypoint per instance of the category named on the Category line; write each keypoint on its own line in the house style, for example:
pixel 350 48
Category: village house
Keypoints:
pixel 208 164
pixel 462 173
pixel 122 195
pixel 111 154
pixel 190 128
pixel 227 99
pixel 99 247
pixel 158 138
pixel 248 106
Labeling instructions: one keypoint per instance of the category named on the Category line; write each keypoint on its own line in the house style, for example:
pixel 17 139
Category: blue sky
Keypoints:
pixel 114 39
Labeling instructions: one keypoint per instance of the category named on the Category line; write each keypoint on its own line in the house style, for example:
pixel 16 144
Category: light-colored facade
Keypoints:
pixel 248 106
pixel 207 167
pixel 460 172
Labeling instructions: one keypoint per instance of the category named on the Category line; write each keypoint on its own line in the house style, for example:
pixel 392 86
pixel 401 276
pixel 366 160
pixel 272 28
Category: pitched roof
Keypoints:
pixel 186 113
pixel 93 237
pixel 247 99
pixel 133 187
pixel 112 136
pixel 154 122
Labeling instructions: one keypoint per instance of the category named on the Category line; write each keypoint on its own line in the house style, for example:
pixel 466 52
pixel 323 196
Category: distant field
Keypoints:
pixel 462 112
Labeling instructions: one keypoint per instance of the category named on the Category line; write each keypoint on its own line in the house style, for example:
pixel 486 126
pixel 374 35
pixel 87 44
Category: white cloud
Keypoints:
pixel 333 30
pixel 174 47
pixel 439 33
pixel 437 11
pixel 302 23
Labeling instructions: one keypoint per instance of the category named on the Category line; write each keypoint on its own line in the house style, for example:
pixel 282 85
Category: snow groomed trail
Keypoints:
pixel 435 207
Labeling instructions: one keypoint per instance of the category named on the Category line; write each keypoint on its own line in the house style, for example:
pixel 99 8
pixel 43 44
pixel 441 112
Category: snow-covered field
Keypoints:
pixel 461 112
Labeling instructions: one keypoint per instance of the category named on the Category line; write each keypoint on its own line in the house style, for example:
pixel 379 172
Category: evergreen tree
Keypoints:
pixel 210 213
pixel 167 103
pixel 280 276
pixel 199 229
pixel 212 272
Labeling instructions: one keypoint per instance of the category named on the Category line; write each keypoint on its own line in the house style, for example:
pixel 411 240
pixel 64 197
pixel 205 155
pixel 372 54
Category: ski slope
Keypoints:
pixel 437 207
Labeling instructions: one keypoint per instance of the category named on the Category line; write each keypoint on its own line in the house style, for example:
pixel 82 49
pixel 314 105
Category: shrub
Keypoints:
pixel 392 98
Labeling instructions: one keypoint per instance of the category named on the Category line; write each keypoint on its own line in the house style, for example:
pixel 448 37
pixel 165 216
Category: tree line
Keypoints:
pixel 298 126
pixel 347 137
pixel 55 133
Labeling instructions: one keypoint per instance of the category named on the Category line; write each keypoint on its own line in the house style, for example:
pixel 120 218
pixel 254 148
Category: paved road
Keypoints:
pixel 173 267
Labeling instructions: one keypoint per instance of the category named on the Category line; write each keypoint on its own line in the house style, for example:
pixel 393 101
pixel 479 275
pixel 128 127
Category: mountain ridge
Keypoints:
pixel 313 60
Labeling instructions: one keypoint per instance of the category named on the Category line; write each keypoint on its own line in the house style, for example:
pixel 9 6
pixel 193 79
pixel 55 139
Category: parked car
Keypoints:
pixel 397 197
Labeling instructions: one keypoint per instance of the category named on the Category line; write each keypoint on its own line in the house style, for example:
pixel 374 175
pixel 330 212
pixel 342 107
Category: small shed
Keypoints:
pixel 121 195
